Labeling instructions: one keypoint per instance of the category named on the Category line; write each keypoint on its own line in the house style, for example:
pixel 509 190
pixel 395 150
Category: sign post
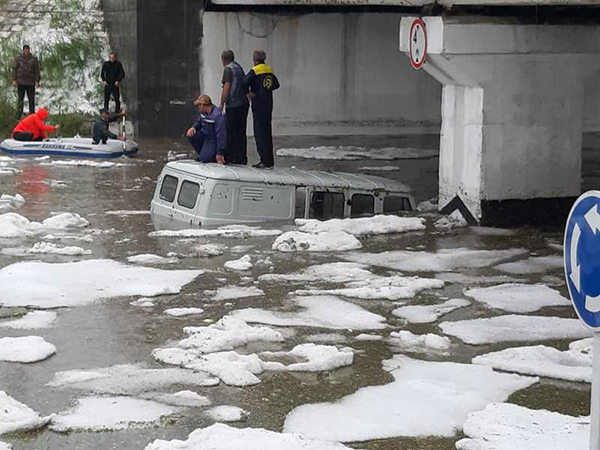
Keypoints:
pixel 417 43
pixel 582 272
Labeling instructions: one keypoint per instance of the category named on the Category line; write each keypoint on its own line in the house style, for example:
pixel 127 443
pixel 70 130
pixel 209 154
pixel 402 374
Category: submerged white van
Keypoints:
pixel 195 194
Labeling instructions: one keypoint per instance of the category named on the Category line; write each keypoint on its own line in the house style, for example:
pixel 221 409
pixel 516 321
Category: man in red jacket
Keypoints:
pixel 33 127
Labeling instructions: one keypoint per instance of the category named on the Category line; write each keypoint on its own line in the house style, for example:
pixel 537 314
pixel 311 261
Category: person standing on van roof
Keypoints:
pixel 208 135
pixel 25 77
pixel 112 74
pixel 235 102
pixel 262 82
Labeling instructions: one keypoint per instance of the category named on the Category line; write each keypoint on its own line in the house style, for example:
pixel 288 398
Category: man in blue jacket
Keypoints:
pixel 262 82
pixel 208 135
pixel 235 102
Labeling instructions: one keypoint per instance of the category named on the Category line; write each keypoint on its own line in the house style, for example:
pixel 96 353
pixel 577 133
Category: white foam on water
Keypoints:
pixel 460 278
pixel 53 249
pixel 227 334
pixel 127 212
pixel 180 312
pixel 31 321
pixel 46 285
pixel 518 298
pixel 148 258
pixel 380 288
pixel 352 153
pixel 454 220
pixel 83 163
pixel 407 341
pixel 244 263
pixel 436 398
pixel 128 379
pixel 16 417
pixel 574 364
pixel 319 311
pixel 223 437
pixel 532 265
pixel 314 358
pixel 515 328
pixel 368 337
pixel 339 272
pixel 296 241
pixel 227 293
pixel 27 349
pixel 227 231
pixel 189 399
pixel 210 249
pixel 363 226
pixel 429 313
pixel 504 426
pixel 446 260
pixel 226 413
pixel 110 413
pixel 327 338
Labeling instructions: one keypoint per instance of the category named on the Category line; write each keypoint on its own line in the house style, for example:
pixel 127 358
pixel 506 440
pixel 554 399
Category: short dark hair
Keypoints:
pixel 26 46
pixel 227 56
pixel 259 56
pixel 113 53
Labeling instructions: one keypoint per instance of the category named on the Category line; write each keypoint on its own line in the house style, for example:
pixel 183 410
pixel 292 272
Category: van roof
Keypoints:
pixel 288 176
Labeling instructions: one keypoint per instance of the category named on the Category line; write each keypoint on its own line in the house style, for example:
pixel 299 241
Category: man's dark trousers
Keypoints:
pixel 21 89
pixel 237 119
pixel 263 134
pixel 114 90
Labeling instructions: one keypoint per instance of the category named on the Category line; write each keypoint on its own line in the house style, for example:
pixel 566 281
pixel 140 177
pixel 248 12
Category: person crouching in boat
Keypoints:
pixel 208 135
pixel 100 132
pixel 33 127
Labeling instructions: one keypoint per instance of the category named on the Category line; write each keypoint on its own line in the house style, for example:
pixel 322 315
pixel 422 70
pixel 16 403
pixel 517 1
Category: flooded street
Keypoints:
pixel 112 332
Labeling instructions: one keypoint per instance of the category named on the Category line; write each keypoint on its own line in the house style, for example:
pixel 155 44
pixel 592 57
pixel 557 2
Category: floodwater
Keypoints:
pixel 113 332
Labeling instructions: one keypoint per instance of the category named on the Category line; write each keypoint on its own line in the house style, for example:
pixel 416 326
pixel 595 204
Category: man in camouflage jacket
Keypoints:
pixel 25 77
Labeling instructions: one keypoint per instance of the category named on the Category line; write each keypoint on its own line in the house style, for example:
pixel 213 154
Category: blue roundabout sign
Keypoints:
pixel 582 257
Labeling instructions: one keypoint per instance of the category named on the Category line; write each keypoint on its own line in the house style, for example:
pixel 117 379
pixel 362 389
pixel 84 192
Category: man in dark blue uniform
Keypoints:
pixel 235 102
pixel 208 135
pixel 262 82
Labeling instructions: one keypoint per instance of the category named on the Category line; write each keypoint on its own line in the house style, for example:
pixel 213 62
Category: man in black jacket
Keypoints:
pixel 101 133
pixel 112 73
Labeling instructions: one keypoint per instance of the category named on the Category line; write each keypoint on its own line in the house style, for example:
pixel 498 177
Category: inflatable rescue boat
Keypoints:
pixel 79 147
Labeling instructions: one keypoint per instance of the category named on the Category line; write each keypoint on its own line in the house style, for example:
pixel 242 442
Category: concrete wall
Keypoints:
pixel 339 73
pixel 121 21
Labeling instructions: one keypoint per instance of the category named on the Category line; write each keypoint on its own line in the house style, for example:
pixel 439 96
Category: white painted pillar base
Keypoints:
pixel 512 110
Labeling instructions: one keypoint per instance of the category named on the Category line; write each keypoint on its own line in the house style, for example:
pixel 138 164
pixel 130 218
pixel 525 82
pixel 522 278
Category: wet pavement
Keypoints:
pixel 114 332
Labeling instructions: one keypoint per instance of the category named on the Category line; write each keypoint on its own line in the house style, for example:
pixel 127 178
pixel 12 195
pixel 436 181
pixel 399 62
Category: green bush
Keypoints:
pixel 8 118
pixel 73 123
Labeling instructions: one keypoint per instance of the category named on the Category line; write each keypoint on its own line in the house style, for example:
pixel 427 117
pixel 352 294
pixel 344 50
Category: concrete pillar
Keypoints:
pixel 512 115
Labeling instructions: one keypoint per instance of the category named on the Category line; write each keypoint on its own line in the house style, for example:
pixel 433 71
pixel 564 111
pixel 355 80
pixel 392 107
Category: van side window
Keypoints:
pixel 326 205
pixel 188 194
pixel 168 188
pixel 362 204
pixel 394 203
pixel 300 203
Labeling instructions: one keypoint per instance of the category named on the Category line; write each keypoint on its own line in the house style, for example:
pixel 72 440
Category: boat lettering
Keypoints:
pixel 57 146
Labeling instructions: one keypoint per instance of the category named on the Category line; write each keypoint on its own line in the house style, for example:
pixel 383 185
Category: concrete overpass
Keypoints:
pixel 516 94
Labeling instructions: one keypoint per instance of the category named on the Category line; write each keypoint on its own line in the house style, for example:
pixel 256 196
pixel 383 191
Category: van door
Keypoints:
pixel 188 199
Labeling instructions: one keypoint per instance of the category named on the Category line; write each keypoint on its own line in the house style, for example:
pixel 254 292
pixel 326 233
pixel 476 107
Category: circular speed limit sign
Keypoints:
pixel 417 43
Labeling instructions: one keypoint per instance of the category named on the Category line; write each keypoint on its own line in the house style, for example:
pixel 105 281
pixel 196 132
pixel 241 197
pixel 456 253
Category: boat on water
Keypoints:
pixel 74 147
